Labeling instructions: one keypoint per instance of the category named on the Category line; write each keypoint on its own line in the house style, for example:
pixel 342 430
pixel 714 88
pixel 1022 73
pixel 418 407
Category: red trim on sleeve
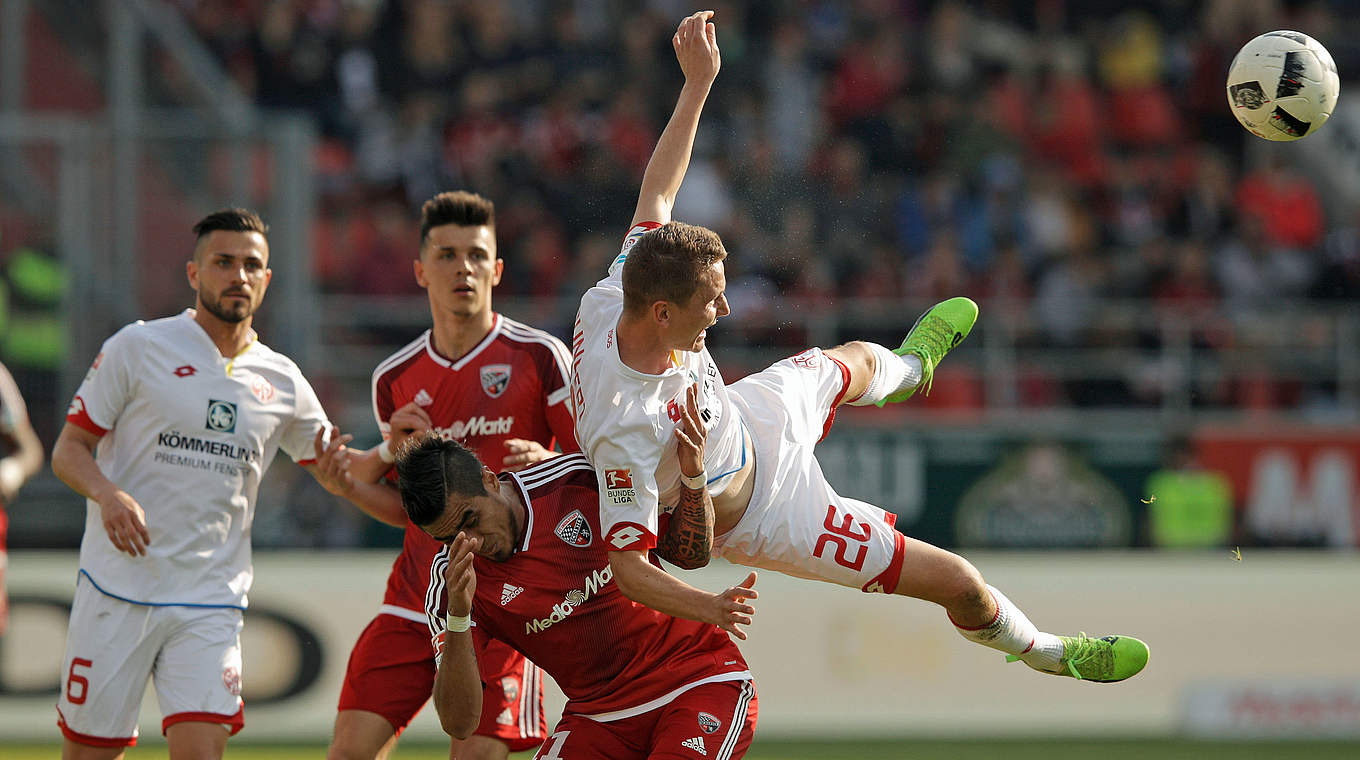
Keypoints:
pixel 93 741
pixel 845 386
pixel 305 462
pixel 77 416
pixel 236 722
pixel 629 536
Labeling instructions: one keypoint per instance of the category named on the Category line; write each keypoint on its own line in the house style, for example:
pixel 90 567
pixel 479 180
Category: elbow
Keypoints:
pixel 460 729
pixel 693 560
pixel 624 578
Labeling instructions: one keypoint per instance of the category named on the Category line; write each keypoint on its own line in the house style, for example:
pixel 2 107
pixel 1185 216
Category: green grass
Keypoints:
pixel 905 749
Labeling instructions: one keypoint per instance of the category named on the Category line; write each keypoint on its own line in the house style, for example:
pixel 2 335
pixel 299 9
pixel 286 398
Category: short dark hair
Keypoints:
pixel 430 469
pixel 458 207
pixel 666 262
pixel 231 220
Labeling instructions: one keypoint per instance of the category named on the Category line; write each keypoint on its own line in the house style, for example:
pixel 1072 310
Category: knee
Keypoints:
pixel 856 356
pixel 966 590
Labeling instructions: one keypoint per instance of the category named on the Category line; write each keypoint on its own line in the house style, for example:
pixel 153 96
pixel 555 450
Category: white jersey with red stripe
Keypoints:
pixel 554 600
pixel 625 419
pixel 188 433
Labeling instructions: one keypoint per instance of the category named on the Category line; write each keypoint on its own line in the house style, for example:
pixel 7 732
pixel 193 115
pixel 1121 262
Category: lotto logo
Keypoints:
pixel 618 478
pixel 624 536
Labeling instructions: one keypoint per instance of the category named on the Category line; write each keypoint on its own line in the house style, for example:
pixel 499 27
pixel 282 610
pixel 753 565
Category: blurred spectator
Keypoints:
pixel 1188 506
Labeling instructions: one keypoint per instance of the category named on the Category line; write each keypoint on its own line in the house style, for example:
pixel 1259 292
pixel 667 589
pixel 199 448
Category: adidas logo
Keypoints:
pixel 509 592
pixel 696 744
pixel 423 398
pixel 505 718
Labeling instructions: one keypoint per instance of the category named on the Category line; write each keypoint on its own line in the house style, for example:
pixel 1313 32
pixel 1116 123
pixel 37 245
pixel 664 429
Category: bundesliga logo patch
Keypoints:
pixel 618 485
pixel 574 530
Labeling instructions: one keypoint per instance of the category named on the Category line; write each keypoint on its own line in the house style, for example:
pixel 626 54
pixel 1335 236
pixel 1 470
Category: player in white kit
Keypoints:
pixel 638 346
pixel 168 437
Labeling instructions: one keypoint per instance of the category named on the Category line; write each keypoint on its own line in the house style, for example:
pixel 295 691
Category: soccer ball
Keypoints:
pixel 1283 85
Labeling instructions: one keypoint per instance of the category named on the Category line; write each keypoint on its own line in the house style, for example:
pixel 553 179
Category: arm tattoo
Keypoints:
pixel 688 540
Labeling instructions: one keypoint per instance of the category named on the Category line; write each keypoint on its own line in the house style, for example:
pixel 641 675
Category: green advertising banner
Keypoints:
pixel 1000 488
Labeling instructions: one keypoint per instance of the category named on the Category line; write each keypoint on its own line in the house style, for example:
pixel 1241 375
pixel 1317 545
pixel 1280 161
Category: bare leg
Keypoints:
pixel 193 740
pixel 478 747
pixel 859 359
pixel 75 751
pixel 361 735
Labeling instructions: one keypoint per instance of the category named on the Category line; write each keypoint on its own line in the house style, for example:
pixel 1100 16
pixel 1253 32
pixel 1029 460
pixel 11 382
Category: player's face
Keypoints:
pixel 458 266
pixel 689 323
pixel 230 271
pixel 492 518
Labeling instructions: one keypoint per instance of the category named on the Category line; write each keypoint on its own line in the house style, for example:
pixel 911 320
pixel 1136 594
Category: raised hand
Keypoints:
pixel 407 421
pixel 696 47
pixel 690 435
pixel 460 578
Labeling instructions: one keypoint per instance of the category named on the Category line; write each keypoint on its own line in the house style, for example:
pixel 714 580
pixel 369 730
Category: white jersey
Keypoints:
pixel 188 433
pixel 625 419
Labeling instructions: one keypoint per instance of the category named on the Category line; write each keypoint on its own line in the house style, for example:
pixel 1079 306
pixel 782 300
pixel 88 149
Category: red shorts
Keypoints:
pixel 391 673
pixel 715 721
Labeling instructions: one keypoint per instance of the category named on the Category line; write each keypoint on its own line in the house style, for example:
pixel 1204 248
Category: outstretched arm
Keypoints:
pixel 649 585
pixel 696 47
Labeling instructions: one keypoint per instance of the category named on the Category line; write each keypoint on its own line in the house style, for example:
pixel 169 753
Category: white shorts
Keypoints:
pixel 113 646
pixel 796 523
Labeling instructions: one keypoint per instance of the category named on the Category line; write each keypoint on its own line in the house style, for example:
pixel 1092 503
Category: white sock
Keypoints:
pixel 892 374
pixel 1011 632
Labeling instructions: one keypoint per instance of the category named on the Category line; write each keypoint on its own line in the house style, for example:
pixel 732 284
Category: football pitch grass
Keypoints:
pixel 905 749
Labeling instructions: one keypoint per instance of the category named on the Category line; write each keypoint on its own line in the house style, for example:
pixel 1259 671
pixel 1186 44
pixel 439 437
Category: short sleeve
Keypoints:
pixel 629 240
pixel 308 417
pixel 107 387
pixel 628 496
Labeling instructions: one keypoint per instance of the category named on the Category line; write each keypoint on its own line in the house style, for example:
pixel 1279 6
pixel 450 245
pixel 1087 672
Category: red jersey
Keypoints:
pixel 513 384
pixel 555 602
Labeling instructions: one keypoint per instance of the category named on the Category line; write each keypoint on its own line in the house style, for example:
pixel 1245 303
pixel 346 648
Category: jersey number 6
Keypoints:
pixel 839 531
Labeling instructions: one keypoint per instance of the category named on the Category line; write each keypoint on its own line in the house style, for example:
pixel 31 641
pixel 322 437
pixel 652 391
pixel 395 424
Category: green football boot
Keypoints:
pixel 942 327
pixel 1104 660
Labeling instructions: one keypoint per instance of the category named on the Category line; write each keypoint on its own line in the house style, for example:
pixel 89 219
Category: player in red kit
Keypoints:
pixel 500 388
pixel 527 564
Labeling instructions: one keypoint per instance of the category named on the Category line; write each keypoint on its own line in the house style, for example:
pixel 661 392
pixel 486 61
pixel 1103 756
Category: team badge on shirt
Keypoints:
pixel 574 529
pixel 221 416
pixel 262 389
pixel 708 723
pixel 495 379
pixel 231 678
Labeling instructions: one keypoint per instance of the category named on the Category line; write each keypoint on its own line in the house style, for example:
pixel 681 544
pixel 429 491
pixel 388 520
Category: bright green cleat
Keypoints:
pixel 1104 660
pixel 942 327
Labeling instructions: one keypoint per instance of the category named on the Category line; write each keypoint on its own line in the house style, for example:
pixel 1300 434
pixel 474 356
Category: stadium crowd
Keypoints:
pixel 1043 157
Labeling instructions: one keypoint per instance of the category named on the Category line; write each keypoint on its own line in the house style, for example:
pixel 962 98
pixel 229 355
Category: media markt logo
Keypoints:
pixel 221 416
